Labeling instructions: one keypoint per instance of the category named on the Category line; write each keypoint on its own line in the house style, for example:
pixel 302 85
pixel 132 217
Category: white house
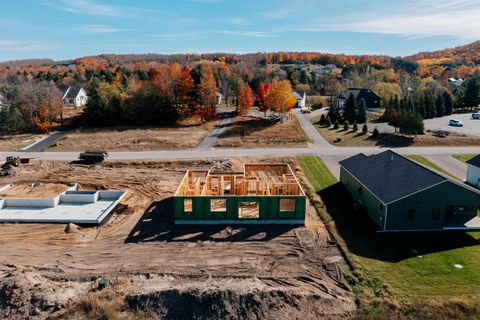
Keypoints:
pixel 473 171
pixel 219 98
pixel 75 97
pixel 301 100
pixel 328 69
pixel 455 83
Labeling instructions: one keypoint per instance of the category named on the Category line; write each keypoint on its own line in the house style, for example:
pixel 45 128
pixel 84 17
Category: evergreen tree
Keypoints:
pixel 336 125
pixel 304 79
pixel 345 125
pixel 411 122
pixel 440 106
pixel 471 95
pixel 355 127
pixel 375 132
pixel 421 107
pixel 447 98
pixel 349 113
pixel 365 129
pixel 333 114
pixel 362 111
pixel 322 120
pixel 430 107
pixel 328 123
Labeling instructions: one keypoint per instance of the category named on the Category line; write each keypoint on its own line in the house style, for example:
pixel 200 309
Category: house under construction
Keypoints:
pixel 261 194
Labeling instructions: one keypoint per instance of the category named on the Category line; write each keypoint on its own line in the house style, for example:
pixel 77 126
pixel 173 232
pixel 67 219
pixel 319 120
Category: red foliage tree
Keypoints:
pixel 262 97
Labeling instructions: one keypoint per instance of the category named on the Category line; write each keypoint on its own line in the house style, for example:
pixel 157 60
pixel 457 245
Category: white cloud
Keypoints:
pixel 421 18
pixel 253 34
pixel 21 46
pixel 94 28
pixel 86 7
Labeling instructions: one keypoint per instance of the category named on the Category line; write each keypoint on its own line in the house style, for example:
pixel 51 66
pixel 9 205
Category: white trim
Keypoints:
pixel 385 221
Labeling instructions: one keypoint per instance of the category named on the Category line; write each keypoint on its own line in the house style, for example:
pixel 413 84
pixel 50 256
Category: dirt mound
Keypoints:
pixel 27 294
pixel 239 299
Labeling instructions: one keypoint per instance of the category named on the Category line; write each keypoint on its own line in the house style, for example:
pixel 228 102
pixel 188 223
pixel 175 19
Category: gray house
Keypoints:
pixel 402 195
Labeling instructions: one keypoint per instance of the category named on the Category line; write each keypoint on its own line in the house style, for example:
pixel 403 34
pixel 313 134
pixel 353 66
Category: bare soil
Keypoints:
pixel 156 269
pixel 134 138
pixel 15 142
pixel 248 132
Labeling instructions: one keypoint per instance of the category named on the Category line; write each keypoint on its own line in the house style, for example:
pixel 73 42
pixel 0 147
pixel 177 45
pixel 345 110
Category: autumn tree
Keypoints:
pixel 42 119
pixel 280 97
pixel 244 99
pixel 261 97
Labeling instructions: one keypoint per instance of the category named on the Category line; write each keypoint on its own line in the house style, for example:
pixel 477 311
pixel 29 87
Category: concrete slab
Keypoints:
pixel 79 207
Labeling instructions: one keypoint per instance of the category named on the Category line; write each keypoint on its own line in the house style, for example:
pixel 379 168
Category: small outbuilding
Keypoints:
pixel 473 171
pixel 402 195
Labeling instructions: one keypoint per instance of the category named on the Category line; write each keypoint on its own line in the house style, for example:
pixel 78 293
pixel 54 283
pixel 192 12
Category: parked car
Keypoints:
pixel 476 115
pixel 455 123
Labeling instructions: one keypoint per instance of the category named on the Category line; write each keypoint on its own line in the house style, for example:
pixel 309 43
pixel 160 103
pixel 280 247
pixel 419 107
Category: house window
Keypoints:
pixel 188 205
pixel 287 205
pixel 411 214
pixel 360 190
pixel 248 210
pixel 436 214
pixel 218 205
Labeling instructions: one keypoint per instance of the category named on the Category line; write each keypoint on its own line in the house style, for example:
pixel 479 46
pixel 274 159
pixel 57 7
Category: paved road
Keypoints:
pixel 450 164
pixel 209 141
pixel 310 130
pixel 320 147
pixel 471 127
pixel 48 141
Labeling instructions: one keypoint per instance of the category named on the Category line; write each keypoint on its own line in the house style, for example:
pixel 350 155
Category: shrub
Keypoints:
pixel 355 127
pixel 328 122
pixel 322 120
pixel 375 132
pixel 365 129
pixel 345 125
pixel 336 125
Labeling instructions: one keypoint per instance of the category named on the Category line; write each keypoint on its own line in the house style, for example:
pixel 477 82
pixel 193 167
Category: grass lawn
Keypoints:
pixel 412 265
pixel 463 157
pixel 430 164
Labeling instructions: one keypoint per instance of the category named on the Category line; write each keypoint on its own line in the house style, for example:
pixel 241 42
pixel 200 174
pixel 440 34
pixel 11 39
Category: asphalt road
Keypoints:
pixel 319 147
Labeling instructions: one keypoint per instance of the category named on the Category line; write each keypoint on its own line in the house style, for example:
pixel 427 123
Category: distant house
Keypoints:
pixel 402 195
pixel 301 99
pixel 327 69
pixel 371 98
pixel 473 171
pixel 455 83
pixel 75 96
pixel 219 98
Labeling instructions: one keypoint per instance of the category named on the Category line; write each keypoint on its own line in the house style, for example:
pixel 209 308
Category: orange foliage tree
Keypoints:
pixel 280 97
pixel 244 98
pixel 42 119
pixel 262 97
pixel 208 89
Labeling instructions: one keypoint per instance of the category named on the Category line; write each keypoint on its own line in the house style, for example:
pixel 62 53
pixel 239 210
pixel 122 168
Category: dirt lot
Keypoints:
pixel 357 139
pixel 26 190
pixel 16 141
pixel 137 139
pixel 155 269
pixel 248 132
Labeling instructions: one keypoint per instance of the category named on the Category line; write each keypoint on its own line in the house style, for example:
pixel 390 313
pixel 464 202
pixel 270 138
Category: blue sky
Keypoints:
pixel 62 29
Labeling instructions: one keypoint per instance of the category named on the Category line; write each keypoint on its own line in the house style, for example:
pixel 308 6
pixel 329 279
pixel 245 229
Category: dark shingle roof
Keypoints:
pixel 355 91
pixel 72 92
pixel 475 161
pixel 389 175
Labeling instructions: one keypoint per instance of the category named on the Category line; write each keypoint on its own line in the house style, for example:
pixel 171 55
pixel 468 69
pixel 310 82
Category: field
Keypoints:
pixel 16 141
pixel 154 268
pixel 423 271
pixel 251 132
pixel 134 139
pixel 354 139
